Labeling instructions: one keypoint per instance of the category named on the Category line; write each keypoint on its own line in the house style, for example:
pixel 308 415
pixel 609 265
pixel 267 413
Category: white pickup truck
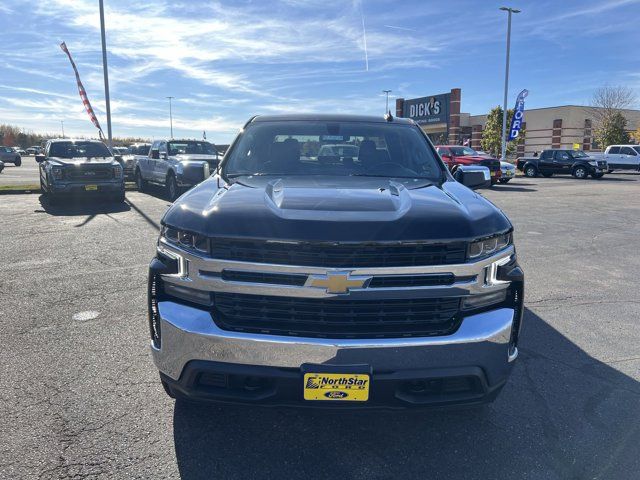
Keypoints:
pixel 620 157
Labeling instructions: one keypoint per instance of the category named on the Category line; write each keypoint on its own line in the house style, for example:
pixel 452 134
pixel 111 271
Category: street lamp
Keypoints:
pixel 506 82
pixel 386 107
pixel 171 116
pixel 106 74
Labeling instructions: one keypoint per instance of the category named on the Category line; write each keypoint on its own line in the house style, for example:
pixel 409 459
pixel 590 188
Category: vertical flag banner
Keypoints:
pixel 83 93
pixel 518 115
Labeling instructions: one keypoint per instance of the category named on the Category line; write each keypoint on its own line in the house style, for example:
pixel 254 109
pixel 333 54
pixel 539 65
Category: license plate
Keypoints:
pixel 91 187
pixel 343 387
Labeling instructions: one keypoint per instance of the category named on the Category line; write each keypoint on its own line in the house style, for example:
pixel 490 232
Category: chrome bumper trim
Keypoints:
pixel 203 274
pixel 189 334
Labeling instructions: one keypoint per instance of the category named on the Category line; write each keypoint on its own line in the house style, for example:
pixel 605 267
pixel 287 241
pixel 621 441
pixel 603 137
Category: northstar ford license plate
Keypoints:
pixel 336 386
pixel 91 187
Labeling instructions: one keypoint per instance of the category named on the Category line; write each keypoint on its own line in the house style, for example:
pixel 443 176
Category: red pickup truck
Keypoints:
pixel 454 155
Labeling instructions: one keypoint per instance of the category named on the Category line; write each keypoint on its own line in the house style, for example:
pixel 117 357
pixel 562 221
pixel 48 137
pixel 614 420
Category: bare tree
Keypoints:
pixel 608 100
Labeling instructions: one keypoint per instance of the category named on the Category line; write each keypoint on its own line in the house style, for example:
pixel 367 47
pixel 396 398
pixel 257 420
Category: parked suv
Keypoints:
pixel 10 155
pixel 176 165
pixel 374 280
pixel 574 162
pixel 79 167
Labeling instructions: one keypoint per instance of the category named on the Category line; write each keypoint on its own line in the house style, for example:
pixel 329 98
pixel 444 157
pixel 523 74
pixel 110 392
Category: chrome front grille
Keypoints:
pixel 88 173
pixel 315 301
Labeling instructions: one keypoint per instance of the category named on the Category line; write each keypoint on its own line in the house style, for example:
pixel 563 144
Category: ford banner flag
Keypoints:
pixel 518 115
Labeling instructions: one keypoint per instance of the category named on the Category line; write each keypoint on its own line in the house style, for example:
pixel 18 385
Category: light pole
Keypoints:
pixel 106 74
pixel 506 82
pixel 170 116
pixel 62 123
pixel 386 106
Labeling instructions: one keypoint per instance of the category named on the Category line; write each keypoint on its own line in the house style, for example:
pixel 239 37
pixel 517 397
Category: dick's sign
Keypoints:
pixel 433 109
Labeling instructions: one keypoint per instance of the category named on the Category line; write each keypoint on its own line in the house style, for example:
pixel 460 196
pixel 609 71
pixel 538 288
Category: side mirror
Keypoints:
pixel 40 158
pixel 473 176
pixel 163 155
pixel 155 154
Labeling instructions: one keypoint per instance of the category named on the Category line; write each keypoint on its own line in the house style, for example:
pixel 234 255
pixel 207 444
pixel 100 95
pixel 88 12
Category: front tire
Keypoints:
pixel 530 171
pixel 172 187
pixel 18 162
pixel 580 173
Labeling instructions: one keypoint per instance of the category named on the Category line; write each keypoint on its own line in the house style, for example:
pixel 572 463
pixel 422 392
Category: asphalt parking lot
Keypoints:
pixel 80 397
pixel 25 174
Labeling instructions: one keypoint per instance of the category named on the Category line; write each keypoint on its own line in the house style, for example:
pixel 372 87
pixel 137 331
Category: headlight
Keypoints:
pixel 117 171
pixel 57 172
pixel 593 163
pixel 488 246
pixel 184 239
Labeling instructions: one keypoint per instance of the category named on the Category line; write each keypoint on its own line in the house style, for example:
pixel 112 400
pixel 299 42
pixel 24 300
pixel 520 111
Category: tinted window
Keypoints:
pixel 293 148
pixel 614 150
pixel 627 151
pixel 547 154
pixel 191 148
pixel 443 151
pixel 78 150
pixel 562 155
pixel 461 151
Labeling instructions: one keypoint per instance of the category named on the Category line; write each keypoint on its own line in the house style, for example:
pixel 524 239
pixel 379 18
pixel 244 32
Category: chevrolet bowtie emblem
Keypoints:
pixel 337 282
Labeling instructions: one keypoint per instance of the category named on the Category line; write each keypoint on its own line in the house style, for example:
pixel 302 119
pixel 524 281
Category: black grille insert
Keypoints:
pixel 336 318
pixel 339 255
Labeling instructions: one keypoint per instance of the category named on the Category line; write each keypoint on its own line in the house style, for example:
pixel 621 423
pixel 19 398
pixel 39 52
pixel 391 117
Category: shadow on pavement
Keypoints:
pixel 563 414
pixel 512 188
pixel 81 206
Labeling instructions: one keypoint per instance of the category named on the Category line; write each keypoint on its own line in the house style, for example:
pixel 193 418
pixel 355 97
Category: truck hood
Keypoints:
pixel 84 160
pixel 349 209
pixel 195 158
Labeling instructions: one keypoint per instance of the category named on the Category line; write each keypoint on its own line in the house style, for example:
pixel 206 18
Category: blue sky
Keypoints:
pixel 226 61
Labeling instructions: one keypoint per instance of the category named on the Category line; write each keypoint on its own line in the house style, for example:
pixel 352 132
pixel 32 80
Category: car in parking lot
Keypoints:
pixel 620 157
pixel 130 159
pixel 71 167
pixel 10 155
pixel 35 150
pixel 563 161
pixel 176 165
pixel 455 155
pixel 290 278
pixel 1 166
pixel 507 172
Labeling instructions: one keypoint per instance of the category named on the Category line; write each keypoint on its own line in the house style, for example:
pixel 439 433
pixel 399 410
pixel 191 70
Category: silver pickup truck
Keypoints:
pixel 176 165
pixel 620 157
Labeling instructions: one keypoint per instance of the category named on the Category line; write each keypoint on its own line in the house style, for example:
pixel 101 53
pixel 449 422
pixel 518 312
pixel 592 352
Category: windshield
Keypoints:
pixel 578 154
pixel 460 151
pixel 140 149
pixel 78 149
pixel 191 147
pixel 309 148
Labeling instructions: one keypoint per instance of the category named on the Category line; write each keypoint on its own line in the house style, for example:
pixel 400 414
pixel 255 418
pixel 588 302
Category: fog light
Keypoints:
pixel 479 301
pixel 188 294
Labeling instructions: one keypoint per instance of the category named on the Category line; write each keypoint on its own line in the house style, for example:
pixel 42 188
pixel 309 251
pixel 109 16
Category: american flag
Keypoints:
pixel 82 92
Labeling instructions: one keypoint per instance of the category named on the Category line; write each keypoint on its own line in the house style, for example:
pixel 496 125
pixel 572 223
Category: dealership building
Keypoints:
pixel 564 126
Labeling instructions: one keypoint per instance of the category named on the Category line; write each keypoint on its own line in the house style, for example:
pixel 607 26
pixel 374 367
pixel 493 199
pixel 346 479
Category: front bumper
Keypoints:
pixel 111 187
pixel 469 366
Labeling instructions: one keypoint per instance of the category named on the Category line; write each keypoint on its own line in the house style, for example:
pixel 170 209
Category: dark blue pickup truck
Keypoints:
pixel 356 277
